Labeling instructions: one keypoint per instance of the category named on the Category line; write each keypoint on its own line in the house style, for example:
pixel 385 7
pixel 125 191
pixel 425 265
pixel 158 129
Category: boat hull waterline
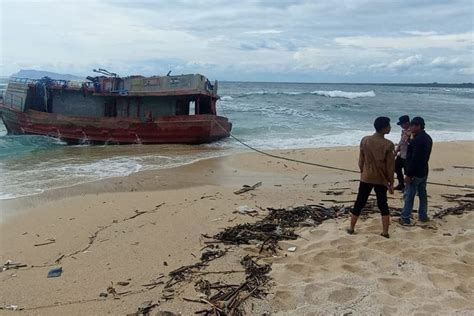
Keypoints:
pixel 176 129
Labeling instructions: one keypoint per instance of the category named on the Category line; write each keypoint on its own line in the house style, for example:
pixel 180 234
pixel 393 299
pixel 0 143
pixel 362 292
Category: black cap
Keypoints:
pixel 381 122
pixel 419 121
pixel 403 119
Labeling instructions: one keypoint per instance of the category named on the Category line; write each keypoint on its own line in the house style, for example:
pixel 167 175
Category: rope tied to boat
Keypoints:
pixel 465 186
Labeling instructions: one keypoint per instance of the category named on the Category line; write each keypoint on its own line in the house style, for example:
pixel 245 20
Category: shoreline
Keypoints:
pixel 135 229
pixel 114 183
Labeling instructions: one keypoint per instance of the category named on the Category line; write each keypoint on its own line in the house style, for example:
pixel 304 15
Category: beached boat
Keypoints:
pixel 110 109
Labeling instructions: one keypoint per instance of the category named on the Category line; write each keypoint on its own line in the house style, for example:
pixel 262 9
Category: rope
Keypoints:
pixel 321 165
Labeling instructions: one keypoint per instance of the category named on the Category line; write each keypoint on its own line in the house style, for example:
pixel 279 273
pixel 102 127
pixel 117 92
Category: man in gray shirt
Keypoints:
pixel 401 151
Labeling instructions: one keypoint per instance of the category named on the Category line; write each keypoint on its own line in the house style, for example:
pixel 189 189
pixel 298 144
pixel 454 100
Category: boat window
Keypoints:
pixel 192 107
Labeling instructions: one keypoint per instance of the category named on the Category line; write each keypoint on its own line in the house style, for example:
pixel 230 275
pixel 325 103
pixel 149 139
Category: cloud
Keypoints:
pixel 263 32
pixel 420 33
pixel 446 62
pixel 353 40
pixel 460 65
pixel 401 64
pixel 449 41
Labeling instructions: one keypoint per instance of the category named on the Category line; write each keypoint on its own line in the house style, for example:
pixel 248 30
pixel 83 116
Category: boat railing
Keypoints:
pixel 23 80
pixel 53 82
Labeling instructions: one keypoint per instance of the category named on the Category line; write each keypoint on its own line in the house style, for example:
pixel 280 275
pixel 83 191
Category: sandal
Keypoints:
pixel 387 235
pixel 350 231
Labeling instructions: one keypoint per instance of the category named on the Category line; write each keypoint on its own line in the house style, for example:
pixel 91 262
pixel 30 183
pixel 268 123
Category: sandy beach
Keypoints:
pixel 129 232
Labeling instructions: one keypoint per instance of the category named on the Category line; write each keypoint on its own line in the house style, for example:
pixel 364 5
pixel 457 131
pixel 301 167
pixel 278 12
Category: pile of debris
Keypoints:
pixel 456 210
pixel 228 299
pixel 278 225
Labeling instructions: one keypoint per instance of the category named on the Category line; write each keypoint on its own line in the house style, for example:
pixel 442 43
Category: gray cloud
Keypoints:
pixel 352 40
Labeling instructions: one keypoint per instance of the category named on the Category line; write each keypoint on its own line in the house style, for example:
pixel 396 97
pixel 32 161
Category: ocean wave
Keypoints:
pixel 334 139
pixel 11 145
pixel 324 93
pixel 344 94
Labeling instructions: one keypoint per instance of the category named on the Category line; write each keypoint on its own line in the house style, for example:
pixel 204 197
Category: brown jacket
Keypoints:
pixel 377 160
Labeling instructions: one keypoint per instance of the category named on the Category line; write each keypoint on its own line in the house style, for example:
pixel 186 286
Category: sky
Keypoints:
pixel 354 41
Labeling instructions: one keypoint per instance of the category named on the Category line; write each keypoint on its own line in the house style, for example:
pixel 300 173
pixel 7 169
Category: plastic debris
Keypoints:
pixel 246 210
pixel 11 307
pixel 292 249
pixel 55 272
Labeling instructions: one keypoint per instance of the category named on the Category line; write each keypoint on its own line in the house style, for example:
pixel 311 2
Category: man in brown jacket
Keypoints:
pixel 377 167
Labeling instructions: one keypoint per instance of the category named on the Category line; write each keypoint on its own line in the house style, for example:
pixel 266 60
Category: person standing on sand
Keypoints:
pixel 401 151
pixel 377 167
pixel 418 155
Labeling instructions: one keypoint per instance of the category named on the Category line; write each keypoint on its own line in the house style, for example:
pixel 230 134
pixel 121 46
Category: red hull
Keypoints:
pixel 192 129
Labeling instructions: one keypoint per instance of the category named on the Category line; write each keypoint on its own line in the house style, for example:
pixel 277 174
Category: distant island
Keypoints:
pixel 38 74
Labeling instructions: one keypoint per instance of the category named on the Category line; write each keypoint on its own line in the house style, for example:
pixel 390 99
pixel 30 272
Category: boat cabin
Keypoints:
pixel 140 97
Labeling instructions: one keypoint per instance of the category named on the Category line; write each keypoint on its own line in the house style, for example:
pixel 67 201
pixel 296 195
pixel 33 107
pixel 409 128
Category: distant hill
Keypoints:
pixel 38 74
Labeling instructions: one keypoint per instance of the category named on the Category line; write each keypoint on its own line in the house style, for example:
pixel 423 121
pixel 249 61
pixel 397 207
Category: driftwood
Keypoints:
pixel 331 192
pixel 12 265
pixel 459 197
pixel 456 210
pixel 463 167
pixel 228 301
pixel 279 224
pixel 246 188
pixel 50 241
pixel 144 309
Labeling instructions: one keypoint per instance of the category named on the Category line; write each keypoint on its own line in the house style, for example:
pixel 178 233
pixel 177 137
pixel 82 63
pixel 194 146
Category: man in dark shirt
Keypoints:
pixel 418 155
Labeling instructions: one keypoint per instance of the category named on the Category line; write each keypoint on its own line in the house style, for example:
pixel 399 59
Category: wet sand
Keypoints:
pixel 135 228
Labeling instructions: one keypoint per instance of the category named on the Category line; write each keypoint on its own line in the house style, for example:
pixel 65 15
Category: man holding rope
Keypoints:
pixel 377 167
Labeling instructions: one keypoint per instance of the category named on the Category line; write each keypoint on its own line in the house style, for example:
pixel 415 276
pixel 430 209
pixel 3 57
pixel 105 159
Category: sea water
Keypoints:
pixel 265 115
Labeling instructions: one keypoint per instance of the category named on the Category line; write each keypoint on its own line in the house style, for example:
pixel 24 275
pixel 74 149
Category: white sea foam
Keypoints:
pixel 344 94
pixel 227 98
pixel 326 93
pixel 345 138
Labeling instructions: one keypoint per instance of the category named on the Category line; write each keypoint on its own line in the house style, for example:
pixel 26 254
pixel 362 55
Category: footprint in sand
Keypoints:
pixel 464 290
pixel 318 258
pixel 397 287
pixel 342 241
pixel 353 268
pixel 312 293
pixel 441 281
pixel 318 233
pixel 469 247
pixel 461 239
pixel 461 269
pixel 345 248
pixel 300 268
pixel 467 259
pixel 285 299
pixel 343 295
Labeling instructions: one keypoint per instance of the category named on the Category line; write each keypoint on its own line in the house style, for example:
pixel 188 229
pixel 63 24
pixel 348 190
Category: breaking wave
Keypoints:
pixel 324 93
pixel 345 94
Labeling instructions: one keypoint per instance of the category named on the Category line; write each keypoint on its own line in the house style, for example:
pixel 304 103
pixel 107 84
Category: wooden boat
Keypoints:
pixel 109 109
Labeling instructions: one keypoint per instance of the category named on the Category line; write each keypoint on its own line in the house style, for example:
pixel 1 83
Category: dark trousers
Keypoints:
pixel 400 168
pixel 363 196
